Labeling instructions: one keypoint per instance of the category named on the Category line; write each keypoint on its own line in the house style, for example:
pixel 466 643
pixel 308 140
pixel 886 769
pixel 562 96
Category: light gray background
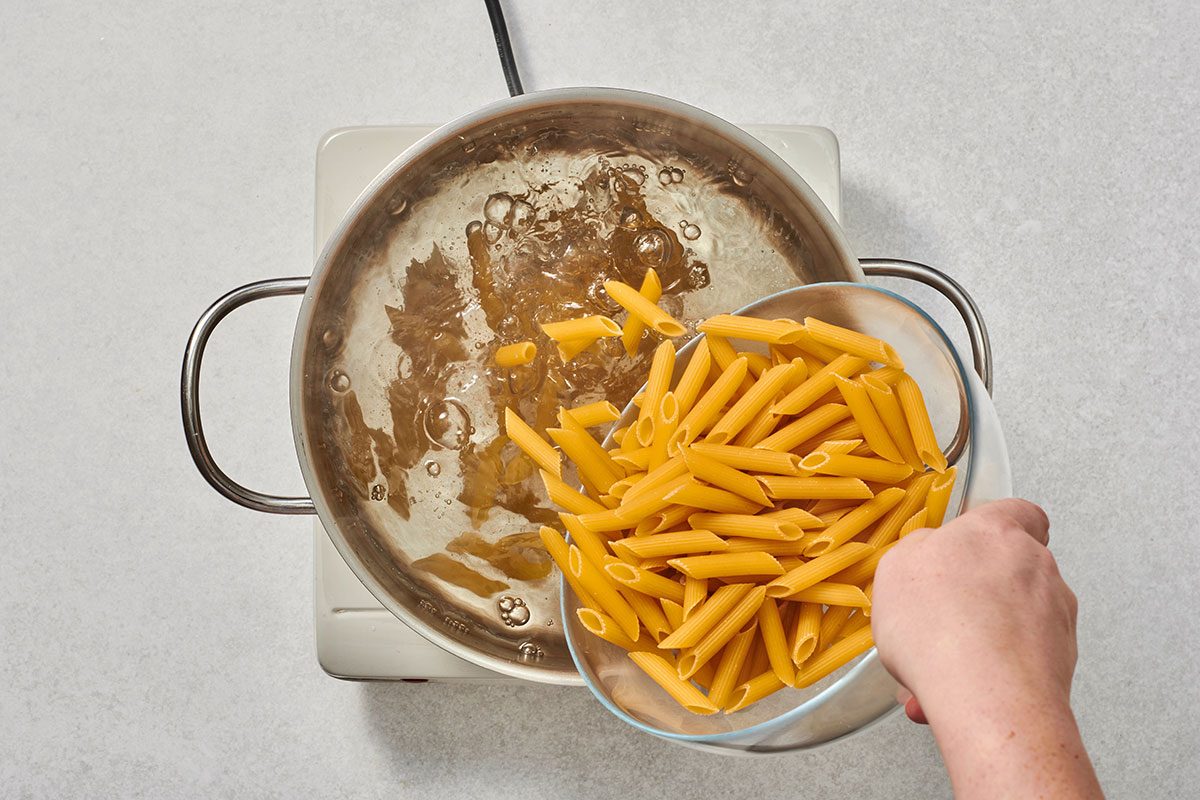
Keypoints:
pixel 157 641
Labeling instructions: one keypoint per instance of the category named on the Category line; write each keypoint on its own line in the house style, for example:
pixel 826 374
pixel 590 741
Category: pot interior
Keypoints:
pixel 514 217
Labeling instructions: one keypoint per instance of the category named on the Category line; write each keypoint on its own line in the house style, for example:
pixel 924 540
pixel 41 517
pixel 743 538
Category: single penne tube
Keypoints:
pixel 588 328
pixel 831 624
pixel 796 516
pixel 785 487
pixel 636 508
pixel 789 436
pixel 569 348
pixel 763 425
pixel 818 384
pixel 637 460
pixel 599 585
pixel 883 397
pixel 657 385
pixel 666 420
pixel 560 551
pixel 888 529
pixel 695 592
pixel 631 331
pixel 750 459
pixel 862 572
pixel 853 342
pixel 847 466
pixel 591 460
pixel 564 496
pixel 771 625
pixel 516 355
pixel 604 521
pixel 600 412
pixel 695 658
pixel 832 594
pixel 723 353
pixel 833 657
pixel 938 499
pixel 531 444
pixel 645 581
pixel 706 616
pixel 591 544
pixel 841 431
pixel 760 396
pixel 805 634
pixel 913 523
pixel 733 658
pixel 777 548
pixel 855 522
pixel 650 314
pixel 755 689
pixel 709 405
pixel 912 403
pixel 857 621
pixel 727 565
pixel 695 494
pixel 674 544
pixel 831 447
pixel 750 526
pixel 600 624
pixel 729 326
pixel 854 395
pixel 725 477
pixel 818 569
pixel 673 612
pixel 654 621
pixel 667 519
pixel 694 376
pixel 662 672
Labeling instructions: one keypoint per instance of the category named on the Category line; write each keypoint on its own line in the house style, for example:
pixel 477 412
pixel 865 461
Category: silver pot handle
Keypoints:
pixel 189 393
pixel 952 290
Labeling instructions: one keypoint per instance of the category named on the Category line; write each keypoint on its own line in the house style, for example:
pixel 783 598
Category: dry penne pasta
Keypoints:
pixel 752 526
pixel 857 621
pixel 780 331
pixel 600 624
pixel 657 385
pixel 861 572
pixel 645 581
pixel 695 592
pixel 585 328
pixel 559 550
pixel 563 495
pixel 597 584
pixel 771 625
pixel 733 658
pixel 888 528
pixel 590 543
pixel 850 429
pixel 755 689
pixel 784 487
pixel 845 340
pixel 666 419
pixel 761 394
pixel 694 376
pixel 883 397
pixel 776 547
pixel 939 497
pixel 915 522
pixel 855 522
pixel 707 408
pixel 818 383
pixel 695 494
pixel 725 477
pixel 786 438
pixel 704 618
pixel 589 458
pixel 835 656
pixel 665 675
pixel 650 314
pixel 804 638
pixel 515 355
pixel 757 362
pixel 832 594
pixel 818 569
pixel 750 459
pixel 695 658
pixel 665 520
pixel 763 425
pixel 868 469
pixel 600 412
pixel 635 460
pixel 855 396
pixel 631 331
pixel 531 444
pixel 912 403
pixel 673 544
pixel 672 611
pixel 725 565
pixel 648 611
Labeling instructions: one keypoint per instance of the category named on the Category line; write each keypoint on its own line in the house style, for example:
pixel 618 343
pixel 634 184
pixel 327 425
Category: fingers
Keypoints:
pixel 913 711
pixel 1031 518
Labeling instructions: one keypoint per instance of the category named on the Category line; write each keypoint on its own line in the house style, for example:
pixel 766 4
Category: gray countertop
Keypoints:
pixel 156 641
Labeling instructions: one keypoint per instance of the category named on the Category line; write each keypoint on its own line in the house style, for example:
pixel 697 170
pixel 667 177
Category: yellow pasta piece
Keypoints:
pixel 796 516
pixel 589 542
pixel 853 342
pixel 763 425
pixel 674 544
pixel 673 612
pixel 779 331
pixel 912 403
pixel 915 522
pixel 888 375
pixel 600 624
pixel 694 376
pixel 755 689
pixel 619 488
pixel 869 591
pixel 704 618
pixel 703 677
pixel 856 398
pixel 722 351
pixel 832 594
pixel 888 528
pixel 695 592
pixel 589 458
pixel 598 585
pixel 818 384
pixel 664 674
pixel 857 621
pixel 637 460
pixel 664 520
pixel 810 347
pixel 698 496
pixel 832 622
pixel 733 658
pixel 645 581
pixel 666 420
pixel 695 658
pixel 884 399
pixel 862 572
pixel 939 497
pixel 855 522
pixel 818 569
pixel 559 550
pixel 569 348
pixel 648 611
pixel 531 444
pixel 842 431
pixel 756 362
pixel 771 625
pixel 761 394
pixel 776 548
pixel 706 409
pixel 631 331
pixel 750 459
pixel 564 496
pixel 727 565
pixel 604 521
pixel 585 328
pixel 805 633
pixel 837 655
pixel 750 526
pixel 868 469
pixel 784 487
pixel 515 355
pixel 830 448
pixel 724 477
pixel 649 313
pixel 812 423
pixel 657 385
pixel 600 412
pixel 636 505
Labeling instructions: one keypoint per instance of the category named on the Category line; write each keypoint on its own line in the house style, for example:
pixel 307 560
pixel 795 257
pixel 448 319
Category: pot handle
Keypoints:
pixel 189 393
pixel 952 290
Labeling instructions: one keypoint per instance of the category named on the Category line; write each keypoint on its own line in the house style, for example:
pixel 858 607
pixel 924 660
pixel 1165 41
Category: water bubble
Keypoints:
pixel 691 232
pixel 331 338
pixel 676 175
pixel 468 146
pixel 529 650
pixel 433 468
pixel 630 217
pixel 397 204
pixel 513 611
pixel 522 215
pixel 740 176
pixel 664 176
pixel 522 381
pixel 474 227
pixel 492 233
pixel 632 175
pixel 447 423
pixel 497 208
pixel 339 381
pixel 653 247
pixel 378 491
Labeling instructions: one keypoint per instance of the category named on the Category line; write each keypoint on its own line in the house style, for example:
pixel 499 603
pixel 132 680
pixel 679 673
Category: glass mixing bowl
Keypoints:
pixel 862 692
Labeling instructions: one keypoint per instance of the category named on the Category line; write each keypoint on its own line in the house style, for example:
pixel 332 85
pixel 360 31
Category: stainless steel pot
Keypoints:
pixel 508 217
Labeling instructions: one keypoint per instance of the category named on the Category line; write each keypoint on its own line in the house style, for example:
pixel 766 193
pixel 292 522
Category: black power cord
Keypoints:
pixel 504 47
